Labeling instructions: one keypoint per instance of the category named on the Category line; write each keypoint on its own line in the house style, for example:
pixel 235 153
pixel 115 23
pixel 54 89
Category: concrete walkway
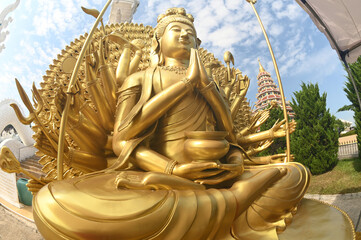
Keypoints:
pixel 13 226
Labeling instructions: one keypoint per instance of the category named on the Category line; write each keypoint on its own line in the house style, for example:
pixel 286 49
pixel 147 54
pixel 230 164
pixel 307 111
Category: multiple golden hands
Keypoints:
pixel 232 169
pixel 279 128
pixel 257 120
pixel 262 146
pixel 211 173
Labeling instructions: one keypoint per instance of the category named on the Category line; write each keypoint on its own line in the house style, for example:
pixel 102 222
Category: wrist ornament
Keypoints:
pixel 210 86
pixel 170 166
pixel 188 83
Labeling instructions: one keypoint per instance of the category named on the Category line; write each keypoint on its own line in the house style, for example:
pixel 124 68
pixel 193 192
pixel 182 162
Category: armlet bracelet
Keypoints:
pixel 207 88
pixel 170 166
pixel 271 134
pixel 187 83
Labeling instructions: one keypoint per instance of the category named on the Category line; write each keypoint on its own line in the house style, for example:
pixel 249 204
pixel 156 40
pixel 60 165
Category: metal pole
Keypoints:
pixel 288 145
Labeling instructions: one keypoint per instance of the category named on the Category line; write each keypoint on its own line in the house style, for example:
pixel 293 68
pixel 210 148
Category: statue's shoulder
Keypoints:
pixel 134 80
pixel 139 78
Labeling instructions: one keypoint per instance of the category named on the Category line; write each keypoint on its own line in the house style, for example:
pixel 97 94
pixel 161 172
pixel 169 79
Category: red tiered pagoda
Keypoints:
pixel 269 92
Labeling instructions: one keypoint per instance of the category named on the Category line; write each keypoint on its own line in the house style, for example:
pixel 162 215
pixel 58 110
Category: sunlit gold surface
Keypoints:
pixel 130 173
pixel 206 146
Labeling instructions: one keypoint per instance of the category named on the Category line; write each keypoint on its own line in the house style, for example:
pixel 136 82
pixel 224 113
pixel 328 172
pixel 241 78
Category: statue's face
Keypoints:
pixel 177 40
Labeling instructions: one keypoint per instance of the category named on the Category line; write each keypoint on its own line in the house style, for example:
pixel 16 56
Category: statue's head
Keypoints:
pixel 174 35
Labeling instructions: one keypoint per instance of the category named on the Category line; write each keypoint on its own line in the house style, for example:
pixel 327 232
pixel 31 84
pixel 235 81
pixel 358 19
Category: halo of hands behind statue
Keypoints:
pixel 117 52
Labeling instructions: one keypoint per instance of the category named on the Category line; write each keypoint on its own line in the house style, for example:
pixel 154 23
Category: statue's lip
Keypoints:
pixel 184 41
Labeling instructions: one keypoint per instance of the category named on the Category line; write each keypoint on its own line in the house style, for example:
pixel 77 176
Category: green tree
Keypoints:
pixel 315 141
pixel 351 95
pixel 279 144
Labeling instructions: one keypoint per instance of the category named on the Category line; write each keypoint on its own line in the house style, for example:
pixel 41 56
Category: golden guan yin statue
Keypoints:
pixel 161 144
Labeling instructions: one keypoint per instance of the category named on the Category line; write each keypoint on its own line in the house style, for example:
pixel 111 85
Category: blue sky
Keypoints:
pixel 41 28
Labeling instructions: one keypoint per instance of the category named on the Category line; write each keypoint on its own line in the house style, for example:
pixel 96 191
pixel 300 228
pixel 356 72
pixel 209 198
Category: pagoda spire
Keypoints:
pixel 261 69
pixel 268 92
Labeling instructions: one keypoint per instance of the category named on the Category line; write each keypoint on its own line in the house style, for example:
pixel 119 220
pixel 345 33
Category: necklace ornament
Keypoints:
pixel 175 69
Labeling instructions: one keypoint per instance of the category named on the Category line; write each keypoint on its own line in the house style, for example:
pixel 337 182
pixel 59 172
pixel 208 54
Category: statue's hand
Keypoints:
pixel 230 171
pixel 280 158
pixel 197 170
pixel 279 129
pixel 153 181
pixel 104 51
pixel 244 87
pixel 263 145
pixel 34 186
pixel 262 119
pixel 196 72
pixel 292 126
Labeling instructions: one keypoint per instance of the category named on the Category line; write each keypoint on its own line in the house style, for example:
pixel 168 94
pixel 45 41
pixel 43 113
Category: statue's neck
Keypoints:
pixel 176 62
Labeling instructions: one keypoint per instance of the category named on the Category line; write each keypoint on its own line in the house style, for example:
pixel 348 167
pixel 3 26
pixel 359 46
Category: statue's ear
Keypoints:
pixel 155 44
pixel 198 42
pixel 155 49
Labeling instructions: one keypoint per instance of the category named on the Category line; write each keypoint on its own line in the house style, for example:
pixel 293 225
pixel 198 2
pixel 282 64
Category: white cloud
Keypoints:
pixel 291 11
pixel 277 6
pixel 320 63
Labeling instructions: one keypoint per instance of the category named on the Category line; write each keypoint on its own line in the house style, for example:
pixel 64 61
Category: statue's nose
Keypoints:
pixel 184 33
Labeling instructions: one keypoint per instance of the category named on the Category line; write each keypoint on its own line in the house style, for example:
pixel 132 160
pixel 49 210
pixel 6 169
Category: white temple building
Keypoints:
pixel 122 11
pixel 19 137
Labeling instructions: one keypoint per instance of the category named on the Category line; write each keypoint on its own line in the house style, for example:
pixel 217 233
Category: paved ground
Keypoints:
pixel 14 227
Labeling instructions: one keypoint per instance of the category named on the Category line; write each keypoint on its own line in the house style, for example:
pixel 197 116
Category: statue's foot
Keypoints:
pixel 248 190
pixel 153 181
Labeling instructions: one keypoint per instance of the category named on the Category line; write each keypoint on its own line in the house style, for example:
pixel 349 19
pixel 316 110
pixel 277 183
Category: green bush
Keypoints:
pixel 349 133
pixel 315 140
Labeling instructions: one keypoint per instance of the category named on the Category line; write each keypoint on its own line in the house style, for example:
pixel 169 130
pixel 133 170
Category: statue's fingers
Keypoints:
pixel 276 123
pixel 230 166
pixel 34 189
pixel 192 59
pixel 200 166
pixel 281 122
pixel 200 63
pixel 218 179
pixel 206 174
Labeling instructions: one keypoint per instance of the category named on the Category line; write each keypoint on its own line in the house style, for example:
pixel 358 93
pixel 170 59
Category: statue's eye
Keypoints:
pixel 176 29
pixel 190 32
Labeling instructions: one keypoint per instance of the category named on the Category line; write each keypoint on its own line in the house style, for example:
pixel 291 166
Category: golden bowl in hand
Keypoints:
pixel 206 145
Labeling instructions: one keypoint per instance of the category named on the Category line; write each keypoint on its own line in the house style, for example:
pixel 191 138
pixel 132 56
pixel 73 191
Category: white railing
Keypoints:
pixel 348 149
